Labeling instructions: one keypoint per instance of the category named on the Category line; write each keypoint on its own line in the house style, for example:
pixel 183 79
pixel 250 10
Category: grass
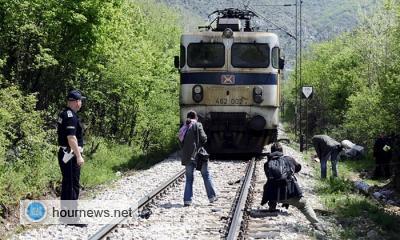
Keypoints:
pixel 359 214
pixel 113 158
pixel 356 213
pixel 22 181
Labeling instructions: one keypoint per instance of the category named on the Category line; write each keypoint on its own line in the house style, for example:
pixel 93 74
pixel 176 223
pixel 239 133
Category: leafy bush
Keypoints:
pixel 119 53
pixel 366 118
pixel 355 81
pixel 26 157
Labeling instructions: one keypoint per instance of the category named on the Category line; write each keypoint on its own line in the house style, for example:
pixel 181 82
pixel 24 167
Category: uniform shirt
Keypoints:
pixel 69 124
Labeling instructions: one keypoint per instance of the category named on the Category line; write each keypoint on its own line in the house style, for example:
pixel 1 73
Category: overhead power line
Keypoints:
pixel 271 22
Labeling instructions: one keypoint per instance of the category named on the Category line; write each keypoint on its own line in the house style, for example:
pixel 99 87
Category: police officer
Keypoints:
pixel 70 140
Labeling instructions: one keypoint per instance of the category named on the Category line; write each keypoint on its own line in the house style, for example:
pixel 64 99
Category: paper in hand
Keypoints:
pixel 67 156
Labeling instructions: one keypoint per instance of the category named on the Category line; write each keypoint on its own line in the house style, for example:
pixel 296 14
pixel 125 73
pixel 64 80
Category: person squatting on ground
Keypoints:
pixel 192 137
pixel 282 186
pixel 327 147
pixel 70 140
pixel 382 154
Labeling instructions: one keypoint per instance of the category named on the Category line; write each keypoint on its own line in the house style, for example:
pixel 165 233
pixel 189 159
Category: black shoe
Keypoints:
pixel 78 225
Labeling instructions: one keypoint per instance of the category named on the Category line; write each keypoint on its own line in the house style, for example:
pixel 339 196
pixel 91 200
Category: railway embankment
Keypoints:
pixel 344 213
pixel 358 206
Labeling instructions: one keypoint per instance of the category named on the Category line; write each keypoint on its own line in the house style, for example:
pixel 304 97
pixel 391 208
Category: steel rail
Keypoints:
pixel 236 220
pixel 142 202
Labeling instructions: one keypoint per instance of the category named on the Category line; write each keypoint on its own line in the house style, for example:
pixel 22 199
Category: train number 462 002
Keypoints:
pixel 231 101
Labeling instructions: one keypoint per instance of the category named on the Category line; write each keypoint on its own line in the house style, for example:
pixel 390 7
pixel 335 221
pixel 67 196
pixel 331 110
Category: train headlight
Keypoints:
pixel 257 94
pixel 197 89
pixel 228 33
pixel 258 90
pixel 197 93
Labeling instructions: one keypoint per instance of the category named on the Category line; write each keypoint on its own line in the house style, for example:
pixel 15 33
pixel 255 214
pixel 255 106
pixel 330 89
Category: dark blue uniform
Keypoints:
pixel 69 124
pixel 382 157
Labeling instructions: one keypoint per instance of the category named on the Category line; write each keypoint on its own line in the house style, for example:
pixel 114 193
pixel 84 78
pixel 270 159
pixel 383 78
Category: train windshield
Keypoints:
pixel 250 55
pixel 206 55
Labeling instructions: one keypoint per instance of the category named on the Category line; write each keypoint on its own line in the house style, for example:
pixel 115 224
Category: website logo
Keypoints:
pixel 76 211
pixel 36 211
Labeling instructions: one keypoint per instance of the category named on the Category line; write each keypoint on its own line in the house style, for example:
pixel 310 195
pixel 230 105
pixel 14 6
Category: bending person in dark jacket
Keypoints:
pixel 286 192
pixel 327 147
pixel 192 136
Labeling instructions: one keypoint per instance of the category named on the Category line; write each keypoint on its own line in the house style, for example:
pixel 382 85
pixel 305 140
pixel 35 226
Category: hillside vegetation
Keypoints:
pixel 322 20
pixel 356 81
pixel 355 78
pixel 117 54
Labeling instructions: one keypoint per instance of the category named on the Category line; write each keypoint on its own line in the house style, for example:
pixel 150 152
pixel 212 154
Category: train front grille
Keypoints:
pixel 223 121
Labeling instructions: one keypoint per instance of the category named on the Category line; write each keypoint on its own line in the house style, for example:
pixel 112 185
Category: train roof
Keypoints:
pixel 260 37
pixel 241 34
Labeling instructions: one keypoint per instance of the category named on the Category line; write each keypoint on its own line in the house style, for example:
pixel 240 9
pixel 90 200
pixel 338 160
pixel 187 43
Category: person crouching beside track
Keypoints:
pixel 282 185
pixel 192 136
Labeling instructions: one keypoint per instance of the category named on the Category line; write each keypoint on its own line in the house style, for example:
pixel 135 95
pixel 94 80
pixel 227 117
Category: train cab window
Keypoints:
pixel 183 57
pixel 206 55
pixel 250 55
pixel 275 57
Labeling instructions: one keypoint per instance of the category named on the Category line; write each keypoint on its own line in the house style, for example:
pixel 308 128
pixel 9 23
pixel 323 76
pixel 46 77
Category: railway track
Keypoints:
pixel 143 203
pixel 236 215
pixel 237 224
pixel 229 211
pixel 285 223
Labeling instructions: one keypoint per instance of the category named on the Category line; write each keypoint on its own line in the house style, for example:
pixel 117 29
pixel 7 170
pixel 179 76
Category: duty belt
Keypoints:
pixel 69 149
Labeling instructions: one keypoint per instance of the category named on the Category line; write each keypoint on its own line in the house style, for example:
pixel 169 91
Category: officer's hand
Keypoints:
pixel 80 161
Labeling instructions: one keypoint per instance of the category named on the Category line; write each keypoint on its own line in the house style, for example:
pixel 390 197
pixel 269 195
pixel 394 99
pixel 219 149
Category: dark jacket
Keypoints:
pixel 381 155
pixel 190 142
pixel 280 191
pixel 323 144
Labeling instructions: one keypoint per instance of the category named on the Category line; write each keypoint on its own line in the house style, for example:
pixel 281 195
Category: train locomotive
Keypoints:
pixel 230 75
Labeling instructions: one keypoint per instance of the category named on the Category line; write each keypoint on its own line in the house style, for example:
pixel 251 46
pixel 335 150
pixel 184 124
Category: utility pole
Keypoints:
pixel 297 120
pixel 296 74
pixel 301 84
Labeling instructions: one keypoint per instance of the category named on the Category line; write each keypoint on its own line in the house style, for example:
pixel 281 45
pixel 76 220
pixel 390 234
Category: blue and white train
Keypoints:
pixel 230 75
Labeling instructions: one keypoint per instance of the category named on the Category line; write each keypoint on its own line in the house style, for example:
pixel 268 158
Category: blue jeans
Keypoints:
pixel 334 155
pixel 188 194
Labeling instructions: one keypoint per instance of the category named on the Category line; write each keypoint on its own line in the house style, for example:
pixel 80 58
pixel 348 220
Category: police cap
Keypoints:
pixel 75 95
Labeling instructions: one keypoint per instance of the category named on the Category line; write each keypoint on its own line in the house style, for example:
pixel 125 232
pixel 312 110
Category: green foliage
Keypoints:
pixel 362 121
pixel 136 76
pixel 356 81
pixel 119 53
pixel 336 186
pixel 359 213
pixel 44 43
pixel 25 154
pixel 102 166
pixel 365 212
